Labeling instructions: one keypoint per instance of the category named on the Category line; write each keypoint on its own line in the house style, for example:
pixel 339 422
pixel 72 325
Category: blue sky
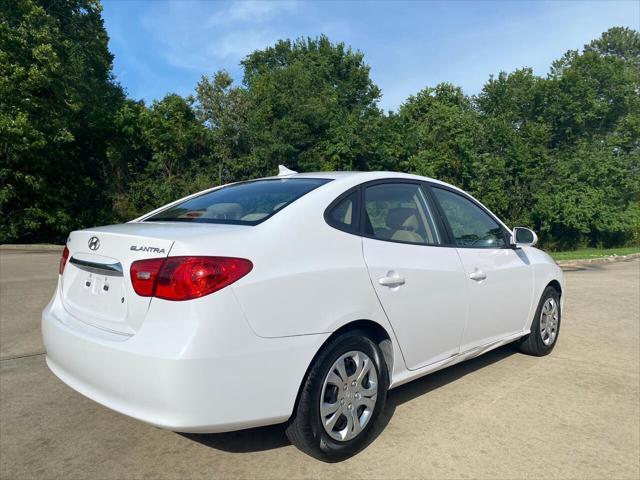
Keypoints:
pixel 165 46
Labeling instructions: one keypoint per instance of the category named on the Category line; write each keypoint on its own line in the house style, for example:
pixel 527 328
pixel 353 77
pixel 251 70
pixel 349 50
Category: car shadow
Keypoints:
pixel 244 441
pixel 273 437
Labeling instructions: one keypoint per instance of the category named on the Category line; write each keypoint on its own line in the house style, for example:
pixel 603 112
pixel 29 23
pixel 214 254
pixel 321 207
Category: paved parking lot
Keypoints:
pixel 574 414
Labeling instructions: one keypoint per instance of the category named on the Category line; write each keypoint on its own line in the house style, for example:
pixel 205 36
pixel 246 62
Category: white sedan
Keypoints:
pixel 300 298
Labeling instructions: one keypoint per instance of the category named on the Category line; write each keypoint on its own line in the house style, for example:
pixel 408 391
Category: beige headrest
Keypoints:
pixel 228 210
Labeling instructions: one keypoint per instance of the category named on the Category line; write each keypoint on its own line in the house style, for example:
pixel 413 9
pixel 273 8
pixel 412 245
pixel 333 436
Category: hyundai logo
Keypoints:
pixel 94 243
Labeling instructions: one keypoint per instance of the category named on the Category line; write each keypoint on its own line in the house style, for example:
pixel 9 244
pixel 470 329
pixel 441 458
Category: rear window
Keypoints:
pixel 247 203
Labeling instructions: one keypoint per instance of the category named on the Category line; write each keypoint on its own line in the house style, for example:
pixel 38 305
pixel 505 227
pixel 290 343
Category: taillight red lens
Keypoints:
pixel 183 278
pixel 63 260
pixel 144 274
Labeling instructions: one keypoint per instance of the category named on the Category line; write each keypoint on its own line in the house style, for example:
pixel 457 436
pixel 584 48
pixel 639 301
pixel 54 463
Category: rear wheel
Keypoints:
pixel 545 327
pixel 341 399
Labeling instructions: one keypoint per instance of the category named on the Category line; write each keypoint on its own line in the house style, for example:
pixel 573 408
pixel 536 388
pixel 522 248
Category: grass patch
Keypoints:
pixel 586 253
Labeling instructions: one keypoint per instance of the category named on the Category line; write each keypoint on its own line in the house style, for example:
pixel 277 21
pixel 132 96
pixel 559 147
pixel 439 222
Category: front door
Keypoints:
pixel 499 278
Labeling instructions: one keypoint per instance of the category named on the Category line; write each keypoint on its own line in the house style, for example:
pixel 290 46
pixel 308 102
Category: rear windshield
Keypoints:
pixel 247 203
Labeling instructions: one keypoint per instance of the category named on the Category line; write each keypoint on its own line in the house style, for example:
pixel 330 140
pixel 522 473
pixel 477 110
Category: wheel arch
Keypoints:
pixel 555 284
pixel 374 331
pixel 550 281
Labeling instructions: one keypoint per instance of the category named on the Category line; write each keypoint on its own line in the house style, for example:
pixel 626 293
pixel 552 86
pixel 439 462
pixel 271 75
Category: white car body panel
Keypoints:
pixel 545 271
pixel 428 312
pixel 499 305
pixel 277 298
pixel 197 365
pixel 188 371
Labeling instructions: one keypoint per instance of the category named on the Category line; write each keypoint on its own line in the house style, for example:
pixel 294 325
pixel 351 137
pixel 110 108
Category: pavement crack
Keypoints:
pixel 16 357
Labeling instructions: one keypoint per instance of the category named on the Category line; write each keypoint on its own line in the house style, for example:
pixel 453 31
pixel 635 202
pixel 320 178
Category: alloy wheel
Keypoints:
pixel 549 317
pixel 349 393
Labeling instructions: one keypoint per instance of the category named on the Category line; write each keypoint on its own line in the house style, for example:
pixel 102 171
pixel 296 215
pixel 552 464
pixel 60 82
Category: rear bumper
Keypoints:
pixel 188 373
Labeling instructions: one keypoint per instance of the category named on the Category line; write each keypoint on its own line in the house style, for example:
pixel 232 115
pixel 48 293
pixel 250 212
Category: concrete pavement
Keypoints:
pixel 573 414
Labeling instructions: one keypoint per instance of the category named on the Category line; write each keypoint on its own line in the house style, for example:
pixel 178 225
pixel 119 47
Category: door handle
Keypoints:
pixel 391 281
pixel 478 275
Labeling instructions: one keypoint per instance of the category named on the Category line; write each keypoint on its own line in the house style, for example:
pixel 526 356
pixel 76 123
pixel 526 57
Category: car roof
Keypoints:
pixel 352 178
pixel 360 176
pixel 342 180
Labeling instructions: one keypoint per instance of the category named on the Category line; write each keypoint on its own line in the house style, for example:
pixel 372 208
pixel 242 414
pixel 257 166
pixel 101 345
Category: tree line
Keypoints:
pixel 559 153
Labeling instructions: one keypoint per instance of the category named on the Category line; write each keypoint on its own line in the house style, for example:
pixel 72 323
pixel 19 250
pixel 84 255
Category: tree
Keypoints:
pixel 128 155
pixel 593 108
pixel 311 103
pixel 560 153
pixel 223 109
pixel 515 144
pixel 179 162
pixel 587 94
pixel 441 132
pixel 619 42
pixel 591 197
pixel 57 102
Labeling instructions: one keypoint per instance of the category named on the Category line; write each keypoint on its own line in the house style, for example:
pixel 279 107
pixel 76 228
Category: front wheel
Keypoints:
pixel 341 399
pixel 545 327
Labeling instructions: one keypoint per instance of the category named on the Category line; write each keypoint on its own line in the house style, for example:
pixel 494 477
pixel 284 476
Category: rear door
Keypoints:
pixel 499 278
pixel 420 284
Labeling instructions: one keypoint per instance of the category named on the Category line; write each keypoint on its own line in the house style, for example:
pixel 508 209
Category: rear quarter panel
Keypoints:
pixel 308 277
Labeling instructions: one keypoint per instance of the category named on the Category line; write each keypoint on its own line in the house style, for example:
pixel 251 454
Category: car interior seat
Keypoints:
pixel 403 223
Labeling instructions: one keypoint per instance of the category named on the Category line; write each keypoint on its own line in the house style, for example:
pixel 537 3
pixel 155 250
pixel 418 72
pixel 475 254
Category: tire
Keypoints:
pixel 541 341
pixel 305 428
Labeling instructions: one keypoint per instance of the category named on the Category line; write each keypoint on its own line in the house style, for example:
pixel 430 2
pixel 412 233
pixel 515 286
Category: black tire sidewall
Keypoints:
pixel 330 448
pixel 549 292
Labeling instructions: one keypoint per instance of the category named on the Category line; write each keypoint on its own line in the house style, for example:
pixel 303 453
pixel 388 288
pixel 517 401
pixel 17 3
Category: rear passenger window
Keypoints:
pixel 399 212
pixel 344 215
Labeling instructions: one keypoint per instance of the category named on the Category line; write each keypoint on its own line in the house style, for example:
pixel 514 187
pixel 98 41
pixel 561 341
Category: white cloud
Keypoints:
pixel 409 45
pixel 236 45
pixel 252 11
pixel 228 33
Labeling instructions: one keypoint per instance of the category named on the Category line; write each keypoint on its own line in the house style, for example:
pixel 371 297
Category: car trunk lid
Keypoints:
pixel 96 284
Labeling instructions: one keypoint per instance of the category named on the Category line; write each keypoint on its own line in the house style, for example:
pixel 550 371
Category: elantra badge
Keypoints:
pixel 94 243
pixel 147 249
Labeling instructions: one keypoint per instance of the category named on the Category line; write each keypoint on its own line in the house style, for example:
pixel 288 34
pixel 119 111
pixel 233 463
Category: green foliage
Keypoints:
pixel 591 197
pixel 57 101
pixel 223 109
pixel 590 253
pixel 515 146
pixel 559 154
pixel 620 42
pixel 442 132
pixel 311 106
pixel 177 160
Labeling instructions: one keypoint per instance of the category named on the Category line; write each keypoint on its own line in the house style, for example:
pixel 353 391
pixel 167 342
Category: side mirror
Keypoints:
pixel 523 237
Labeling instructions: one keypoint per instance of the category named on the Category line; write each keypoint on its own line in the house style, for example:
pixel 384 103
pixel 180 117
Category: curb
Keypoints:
pixel 568 264
pixel 47 247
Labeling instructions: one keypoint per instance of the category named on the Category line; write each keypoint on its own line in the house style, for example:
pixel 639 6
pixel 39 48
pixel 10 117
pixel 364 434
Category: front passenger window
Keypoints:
pixel 399 212
pixel 471 225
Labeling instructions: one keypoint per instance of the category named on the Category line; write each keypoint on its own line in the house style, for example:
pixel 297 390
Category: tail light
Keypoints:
pixel 144 274
pixel 63 260
pixel 183 278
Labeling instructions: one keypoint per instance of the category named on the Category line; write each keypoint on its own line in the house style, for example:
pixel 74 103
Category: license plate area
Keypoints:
pixel 95 293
